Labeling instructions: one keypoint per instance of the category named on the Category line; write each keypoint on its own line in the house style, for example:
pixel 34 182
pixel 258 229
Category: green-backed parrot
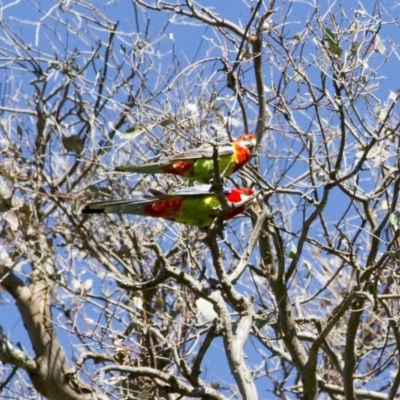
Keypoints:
pixel 194 206
pixel 197 164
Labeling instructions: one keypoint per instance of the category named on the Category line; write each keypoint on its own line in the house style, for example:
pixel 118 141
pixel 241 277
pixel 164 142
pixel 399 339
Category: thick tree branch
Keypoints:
pixel 34 303
pixel 234 344
pixel 168 381
pixel 9 354
pixel 270 250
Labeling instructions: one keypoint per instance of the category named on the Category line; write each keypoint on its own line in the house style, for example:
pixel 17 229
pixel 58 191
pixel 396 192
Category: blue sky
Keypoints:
pixel 189 43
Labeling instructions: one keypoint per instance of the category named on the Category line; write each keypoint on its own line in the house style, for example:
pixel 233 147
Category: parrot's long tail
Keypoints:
pixel 136 207
pixel 150 168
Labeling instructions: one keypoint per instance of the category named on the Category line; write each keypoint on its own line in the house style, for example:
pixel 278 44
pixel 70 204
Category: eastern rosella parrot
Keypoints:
pixel 195 206
pixel 197 164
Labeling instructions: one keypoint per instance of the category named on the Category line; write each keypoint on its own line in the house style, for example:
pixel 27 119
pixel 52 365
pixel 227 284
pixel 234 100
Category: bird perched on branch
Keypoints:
pixel 197 164
pixel 194 206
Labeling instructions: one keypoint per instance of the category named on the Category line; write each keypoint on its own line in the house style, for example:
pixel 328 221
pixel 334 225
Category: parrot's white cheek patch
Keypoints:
pixel 244 197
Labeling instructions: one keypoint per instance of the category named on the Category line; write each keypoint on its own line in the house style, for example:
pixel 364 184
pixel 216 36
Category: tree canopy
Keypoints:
pixel 295 298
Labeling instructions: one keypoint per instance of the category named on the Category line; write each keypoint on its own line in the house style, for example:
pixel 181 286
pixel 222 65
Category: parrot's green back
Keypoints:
pixel 198 210
pixel 203 169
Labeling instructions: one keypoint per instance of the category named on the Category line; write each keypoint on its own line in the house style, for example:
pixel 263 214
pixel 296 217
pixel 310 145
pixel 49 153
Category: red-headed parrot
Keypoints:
pixel 197 164
pixel 195 206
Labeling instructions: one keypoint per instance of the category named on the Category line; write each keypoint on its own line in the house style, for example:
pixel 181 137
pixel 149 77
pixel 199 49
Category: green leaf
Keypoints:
pixel 235 325
pixel 168 121
pixel 135 130
pixel 353 48
pixel 331 43
pixel 290 255
pixel 19 131
pixel 292 252
pixel 93 191
pixel 262 321
pixel 246 54
pixel 145 394
pixel 72 144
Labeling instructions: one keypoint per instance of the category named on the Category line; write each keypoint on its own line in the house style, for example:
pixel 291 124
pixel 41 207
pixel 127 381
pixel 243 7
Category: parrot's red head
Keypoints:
pixel 247 141
pixel 237 195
